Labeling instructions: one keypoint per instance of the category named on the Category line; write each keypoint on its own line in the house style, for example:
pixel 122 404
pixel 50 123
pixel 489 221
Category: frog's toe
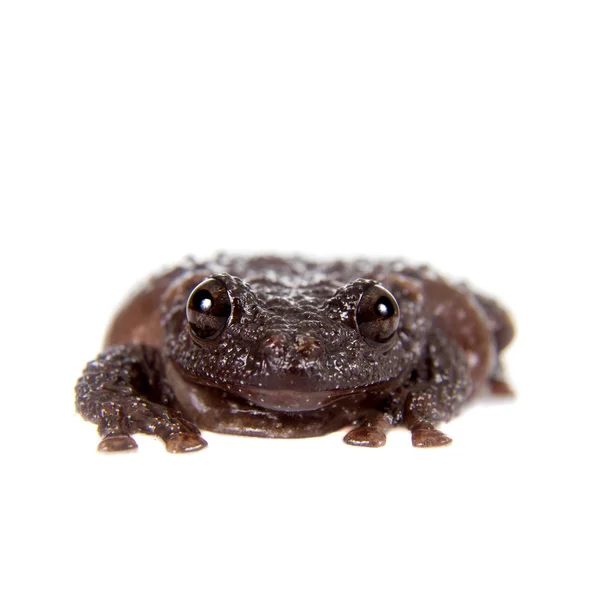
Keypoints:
pixel 117 443
pixel 370 437
pixel 499 387
pixel 429 438
pixel 185 442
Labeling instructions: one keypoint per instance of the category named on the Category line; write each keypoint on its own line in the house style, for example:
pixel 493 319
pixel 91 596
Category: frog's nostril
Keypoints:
pixel 308 346
pixel 274 345
pixel 300 347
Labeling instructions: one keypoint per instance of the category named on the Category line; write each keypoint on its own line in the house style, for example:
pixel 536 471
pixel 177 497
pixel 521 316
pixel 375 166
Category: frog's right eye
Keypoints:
pixel 208 309
pixel 377 315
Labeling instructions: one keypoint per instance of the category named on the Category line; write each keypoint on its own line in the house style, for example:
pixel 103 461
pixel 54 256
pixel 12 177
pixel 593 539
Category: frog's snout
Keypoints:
pixel 281 346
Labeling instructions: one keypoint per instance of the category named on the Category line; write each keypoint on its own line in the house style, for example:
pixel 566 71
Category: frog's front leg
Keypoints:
pixel 124 391
pixel 435 392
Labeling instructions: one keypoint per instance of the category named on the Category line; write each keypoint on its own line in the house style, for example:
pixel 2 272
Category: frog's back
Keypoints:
pixel 138 320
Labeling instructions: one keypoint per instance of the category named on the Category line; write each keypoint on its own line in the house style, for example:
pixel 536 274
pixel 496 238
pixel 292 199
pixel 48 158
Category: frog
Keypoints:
pixel 292 347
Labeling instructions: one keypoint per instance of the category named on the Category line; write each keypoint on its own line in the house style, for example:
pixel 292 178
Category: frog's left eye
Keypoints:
pixel 208 309
pixel 377 315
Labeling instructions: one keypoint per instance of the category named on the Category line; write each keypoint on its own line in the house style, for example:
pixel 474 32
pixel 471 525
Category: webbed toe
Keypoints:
pixel 117 443
pixel 185 442
pixel 429 438
pixel 370 437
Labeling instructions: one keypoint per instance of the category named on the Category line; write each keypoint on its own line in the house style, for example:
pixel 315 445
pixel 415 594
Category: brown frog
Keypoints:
pixel 276 347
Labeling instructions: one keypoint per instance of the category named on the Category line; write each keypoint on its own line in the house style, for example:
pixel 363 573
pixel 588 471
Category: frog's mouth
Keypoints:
pixel 293 400
pixel 281 400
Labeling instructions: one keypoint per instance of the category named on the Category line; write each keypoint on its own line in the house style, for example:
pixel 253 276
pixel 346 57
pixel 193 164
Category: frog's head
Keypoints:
pixel 292 347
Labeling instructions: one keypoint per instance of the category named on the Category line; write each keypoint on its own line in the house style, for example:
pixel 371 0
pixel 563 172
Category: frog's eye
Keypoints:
pixel 208 309
pixel 377 315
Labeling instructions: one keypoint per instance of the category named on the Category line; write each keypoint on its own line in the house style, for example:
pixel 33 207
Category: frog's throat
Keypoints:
pixel 285 400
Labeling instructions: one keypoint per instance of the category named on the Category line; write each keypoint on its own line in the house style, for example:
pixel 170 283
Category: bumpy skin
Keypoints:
pixel 291 361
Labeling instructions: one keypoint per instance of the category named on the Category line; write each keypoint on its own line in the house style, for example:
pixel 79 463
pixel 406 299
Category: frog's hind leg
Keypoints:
pixel 124 392
pixel 500 323
pixel 503 332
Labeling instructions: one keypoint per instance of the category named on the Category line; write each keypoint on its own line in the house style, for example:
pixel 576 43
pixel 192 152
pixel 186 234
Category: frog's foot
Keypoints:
pixel 370 432
pixel 365 435
pixel 422 429
pixel 185 442
pixel 175 443
pixel 117 443
pixel 178 434
pixel 425 437
pixel 122 419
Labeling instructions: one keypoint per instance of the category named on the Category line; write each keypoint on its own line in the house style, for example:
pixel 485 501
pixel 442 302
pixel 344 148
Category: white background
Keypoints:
pixel 462 134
